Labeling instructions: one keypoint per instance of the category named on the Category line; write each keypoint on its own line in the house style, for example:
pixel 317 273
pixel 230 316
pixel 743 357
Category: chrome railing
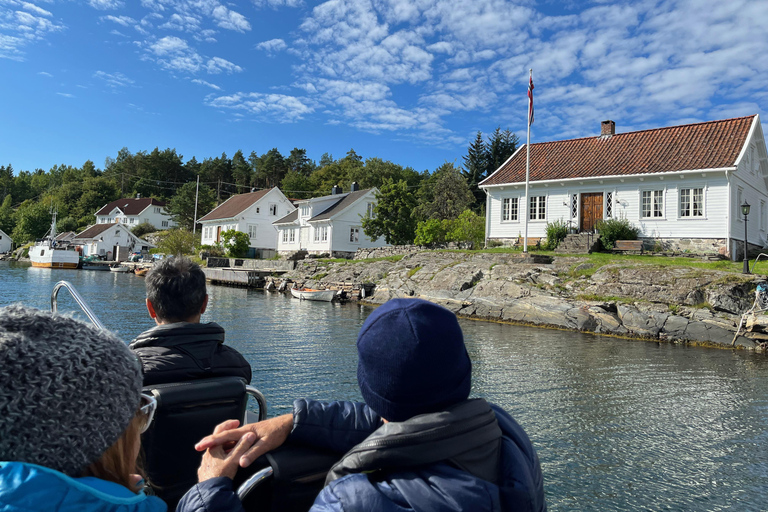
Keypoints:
pixel 80 302
pixel 262 401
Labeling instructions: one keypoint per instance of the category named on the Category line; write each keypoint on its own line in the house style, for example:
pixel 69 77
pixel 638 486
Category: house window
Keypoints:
pixel 371 210
pixel 273 209
pixel 292 236
pixel 317 233
pixel 117 233
pixel 324 233
pixel 257 209
pixel 692 202
pixel 354 235
pixel 739 202
pixel 157 209
pixel 164 224
pixel 538 208
pixel 305 210
pixel 131 220
pixel 609 205
pixel 509 209
pixel 252 230
pixel 574 206
pixel 652 204
pixel 285 236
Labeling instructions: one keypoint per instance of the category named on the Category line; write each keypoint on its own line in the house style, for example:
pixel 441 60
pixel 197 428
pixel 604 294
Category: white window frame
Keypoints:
pixel 540 208
pixel 252 231
pixel 273 209
pixel 739 202
pixel 354 235
pixel 164 224
pixel 690 190
pixel 510 209
pixel 316 232
pixel 285 236
pixel 292 236
pixel 157 209
pixel 324 234
pixel 652 197
pixel 305 211
pixel 371 210
pixel 612 213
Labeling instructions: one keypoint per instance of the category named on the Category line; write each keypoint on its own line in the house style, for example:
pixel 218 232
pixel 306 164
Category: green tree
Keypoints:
pixel 431 232
pixel 296 185
pixel 326 159
pixel 7 215
pixel 298 162
pixel 143 228
pixel 444 194
pixel 178 242
pixel 475 165
pixel 469 227
pixel 500 146
pixel 182 205
pixel 33 220
pixel 67 224
pixel 235 242
pixel 270 168
pixel 393 214
pixel 241 171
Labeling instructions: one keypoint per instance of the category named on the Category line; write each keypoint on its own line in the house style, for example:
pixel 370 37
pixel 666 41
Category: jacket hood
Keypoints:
pixel 466 435
pixel 28 487
pixel 169 335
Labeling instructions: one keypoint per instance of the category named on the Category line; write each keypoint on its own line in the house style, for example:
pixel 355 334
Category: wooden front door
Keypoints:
pixel 591 210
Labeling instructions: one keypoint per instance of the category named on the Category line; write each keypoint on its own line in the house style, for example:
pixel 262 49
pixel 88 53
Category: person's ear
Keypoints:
pixel 151 310
pixel 205 305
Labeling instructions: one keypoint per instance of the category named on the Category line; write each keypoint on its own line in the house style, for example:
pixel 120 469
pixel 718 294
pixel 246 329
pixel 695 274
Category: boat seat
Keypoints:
pixel 187 412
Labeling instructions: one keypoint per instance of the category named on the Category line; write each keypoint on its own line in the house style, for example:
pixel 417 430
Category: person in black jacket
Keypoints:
pixel 181 348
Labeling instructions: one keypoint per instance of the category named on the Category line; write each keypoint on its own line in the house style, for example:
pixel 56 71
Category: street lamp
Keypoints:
pixel 745 212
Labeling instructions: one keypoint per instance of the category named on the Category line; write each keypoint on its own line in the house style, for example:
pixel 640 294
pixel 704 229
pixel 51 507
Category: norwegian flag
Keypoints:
pixel 530 100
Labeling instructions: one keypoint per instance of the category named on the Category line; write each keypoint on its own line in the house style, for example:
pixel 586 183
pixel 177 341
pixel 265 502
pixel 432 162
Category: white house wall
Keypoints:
pixel 349 219
pixel 5 242
pixel 749 183
pixel 159 219
pixel 627 197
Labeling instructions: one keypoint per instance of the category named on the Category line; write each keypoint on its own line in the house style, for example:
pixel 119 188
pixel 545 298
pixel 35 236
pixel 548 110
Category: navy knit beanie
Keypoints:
pixel 412 360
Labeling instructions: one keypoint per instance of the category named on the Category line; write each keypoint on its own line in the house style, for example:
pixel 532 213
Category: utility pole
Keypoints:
pixel 197 190
pixel 218 192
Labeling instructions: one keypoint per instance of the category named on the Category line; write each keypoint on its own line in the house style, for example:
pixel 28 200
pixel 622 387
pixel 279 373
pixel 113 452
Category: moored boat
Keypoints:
pixel 141 272
pixel 119 268
pixel 311 294
pixel 48 253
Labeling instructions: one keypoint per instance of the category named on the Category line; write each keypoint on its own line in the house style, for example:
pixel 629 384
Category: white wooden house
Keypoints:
pixel 682 186
pixel 252 213
pixel 329 224
pixel 5 242
pixel 114 242
pixel 136 210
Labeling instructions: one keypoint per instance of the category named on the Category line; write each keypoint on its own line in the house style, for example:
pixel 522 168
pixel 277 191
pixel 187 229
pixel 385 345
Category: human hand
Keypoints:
pixel 217 461
pixel 269 434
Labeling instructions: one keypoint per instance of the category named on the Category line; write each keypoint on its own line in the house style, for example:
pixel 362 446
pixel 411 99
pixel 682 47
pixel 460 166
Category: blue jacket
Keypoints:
pixel 28 487
pixel 437 486
pixel 212 495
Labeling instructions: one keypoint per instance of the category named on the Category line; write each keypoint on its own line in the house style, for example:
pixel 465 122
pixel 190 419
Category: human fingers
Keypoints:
pixel 221 438
pixel 226 425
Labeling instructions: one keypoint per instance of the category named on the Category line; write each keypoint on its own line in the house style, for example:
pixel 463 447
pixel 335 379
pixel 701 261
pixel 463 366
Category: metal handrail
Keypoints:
pixel 253 481
pixel 259 396
pixel 80 302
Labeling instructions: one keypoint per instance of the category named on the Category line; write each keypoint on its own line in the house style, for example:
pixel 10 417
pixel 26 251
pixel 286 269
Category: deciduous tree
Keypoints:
pixel 393 217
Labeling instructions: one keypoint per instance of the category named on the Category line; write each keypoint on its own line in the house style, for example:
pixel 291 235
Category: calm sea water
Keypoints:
pixel 618 425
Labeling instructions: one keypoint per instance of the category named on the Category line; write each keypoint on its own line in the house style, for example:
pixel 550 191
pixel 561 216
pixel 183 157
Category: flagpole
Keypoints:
pixel 527 207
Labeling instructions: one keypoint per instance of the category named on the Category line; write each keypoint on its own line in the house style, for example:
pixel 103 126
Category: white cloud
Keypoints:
pixel 66 94
pixel 169 45
pixel 44 73
pixel 272 46
pixel 268 107
pixel 116 79
pixel 175 54
pixel 278 3
pixel 35 9
pixel 230 20
pixel 125 21
pixel 19 28
pixel 207 84
pixel 105 5
pixel 186 23
pixel 218 65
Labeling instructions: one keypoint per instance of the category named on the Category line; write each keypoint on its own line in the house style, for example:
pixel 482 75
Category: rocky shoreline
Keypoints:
pixel 628 299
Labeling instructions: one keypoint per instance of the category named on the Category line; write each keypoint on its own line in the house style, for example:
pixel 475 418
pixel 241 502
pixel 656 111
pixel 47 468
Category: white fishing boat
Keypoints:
pixel 119 268
pixel 310 294
pixel 49 253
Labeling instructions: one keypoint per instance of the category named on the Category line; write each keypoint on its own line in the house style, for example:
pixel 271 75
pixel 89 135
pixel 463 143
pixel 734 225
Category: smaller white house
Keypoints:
pixel 136 210
pixel 329 224
pixel 5 242
pixel 115 241
pixel 252 213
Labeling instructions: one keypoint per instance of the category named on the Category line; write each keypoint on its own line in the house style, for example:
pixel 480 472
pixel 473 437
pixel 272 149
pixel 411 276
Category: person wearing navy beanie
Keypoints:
pixel 418 443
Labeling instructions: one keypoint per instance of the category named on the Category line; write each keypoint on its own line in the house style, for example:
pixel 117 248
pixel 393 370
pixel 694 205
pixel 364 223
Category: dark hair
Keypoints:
pixel 176 288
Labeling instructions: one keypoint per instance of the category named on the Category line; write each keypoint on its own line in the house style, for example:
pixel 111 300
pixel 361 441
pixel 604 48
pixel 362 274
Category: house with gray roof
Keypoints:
pixel 114 241
pixel 252 213
pixel 329 224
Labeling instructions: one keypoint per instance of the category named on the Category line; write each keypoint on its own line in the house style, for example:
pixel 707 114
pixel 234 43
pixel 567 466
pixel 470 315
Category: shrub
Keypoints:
pixel 214 251
pixel 469 227
pixel 178 241
pixel 556 232
pixel 430 232
pixel 143 228
pixel 615 229
pixel 235 242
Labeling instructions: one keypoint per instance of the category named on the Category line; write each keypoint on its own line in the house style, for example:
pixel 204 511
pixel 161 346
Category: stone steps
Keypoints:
pixel 579 243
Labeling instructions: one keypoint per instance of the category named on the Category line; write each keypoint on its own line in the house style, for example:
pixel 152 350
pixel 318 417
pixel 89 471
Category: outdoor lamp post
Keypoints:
pixel 745 211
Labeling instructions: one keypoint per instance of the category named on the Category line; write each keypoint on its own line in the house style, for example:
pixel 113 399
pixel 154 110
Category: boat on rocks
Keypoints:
pixel 50 253
pixel 311 294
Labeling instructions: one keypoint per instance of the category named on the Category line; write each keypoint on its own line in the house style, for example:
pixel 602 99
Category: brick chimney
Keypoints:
pixel 607 128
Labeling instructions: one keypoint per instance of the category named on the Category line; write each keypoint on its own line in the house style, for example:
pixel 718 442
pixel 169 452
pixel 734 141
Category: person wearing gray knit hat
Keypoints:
pixel 71 412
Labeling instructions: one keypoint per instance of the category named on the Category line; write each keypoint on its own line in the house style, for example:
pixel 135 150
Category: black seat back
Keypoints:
pixel 186 412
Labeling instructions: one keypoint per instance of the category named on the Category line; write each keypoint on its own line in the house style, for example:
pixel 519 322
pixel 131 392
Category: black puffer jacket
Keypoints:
pixel 187 351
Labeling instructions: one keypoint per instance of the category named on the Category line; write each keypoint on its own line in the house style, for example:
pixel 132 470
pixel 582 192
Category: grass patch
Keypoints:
pixel 702 305
pixel 674 309
pixel 604 298
pixel 319 276
pixel 413 271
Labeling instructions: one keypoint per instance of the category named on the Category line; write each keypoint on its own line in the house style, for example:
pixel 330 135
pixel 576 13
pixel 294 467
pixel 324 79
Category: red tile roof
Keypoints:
pixel 710 145
pixel 234 205
pixel 130 206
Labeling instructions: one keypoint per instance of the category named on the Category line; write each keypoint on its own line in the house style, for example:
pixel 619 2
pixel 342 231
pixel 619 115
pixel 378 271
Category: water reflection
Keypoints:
pixel 619 425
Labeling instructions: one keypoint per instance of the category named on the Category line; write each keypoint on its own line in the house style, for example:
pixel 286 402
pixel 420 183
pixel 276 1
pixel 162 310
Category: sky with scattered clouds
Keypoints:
pixel 411 81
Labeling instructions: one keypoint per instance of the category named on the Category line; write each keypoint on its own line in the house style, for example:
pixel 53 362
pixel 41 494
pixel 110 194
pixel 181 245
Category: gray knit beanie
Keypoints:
pixel 67 390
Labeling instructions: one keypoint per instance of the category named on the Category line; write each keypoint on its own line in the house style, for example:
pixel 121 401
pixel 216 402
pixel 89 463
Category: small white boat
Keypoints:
pixel 119 268
pixel 310 294
pixel 48 253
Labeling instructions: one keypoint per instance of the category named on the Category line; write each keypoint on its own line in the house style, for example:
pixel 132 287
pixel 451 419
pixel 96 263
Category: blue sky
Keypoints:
pixel 409 81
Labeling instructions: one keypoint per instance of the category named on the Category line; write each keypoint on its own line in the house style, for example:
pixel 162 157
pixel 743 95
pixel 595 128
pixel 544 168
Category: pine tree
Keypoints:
pixel 475 165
